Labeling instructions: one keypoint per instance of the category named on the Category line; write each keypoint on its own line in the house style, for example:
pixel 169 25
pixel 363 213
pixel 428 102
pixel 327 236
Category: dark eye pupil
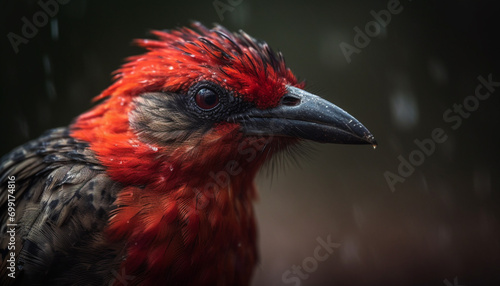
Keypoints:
pixel 206 98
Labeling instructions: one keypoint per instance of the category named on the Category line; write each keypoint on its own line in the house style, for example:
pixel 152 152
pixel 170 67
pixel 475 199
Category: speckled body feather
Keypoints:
pixel 63 198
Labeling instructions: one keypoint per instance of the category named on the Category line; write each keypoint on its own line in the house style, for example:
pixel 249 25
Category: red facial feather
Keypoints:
pixel 173 63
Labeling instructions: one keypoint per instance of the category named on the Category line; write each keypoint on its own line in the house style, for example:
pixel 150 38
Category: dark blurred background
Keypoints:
pixel 441 226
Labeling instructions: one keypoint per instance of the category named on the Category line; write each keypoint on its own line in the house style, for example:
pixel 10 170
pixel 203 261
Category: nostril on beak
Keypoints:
pixel 290 100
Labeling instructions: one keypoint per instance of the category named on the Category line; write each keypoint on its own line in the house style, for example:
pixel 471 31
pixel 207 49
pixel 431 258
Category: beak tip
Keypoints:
pixel 368 138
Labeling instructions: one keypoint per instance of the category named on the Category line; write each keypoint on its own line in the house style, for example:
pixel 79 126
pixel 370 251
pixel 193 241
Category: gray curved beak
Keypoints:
pixel 301 114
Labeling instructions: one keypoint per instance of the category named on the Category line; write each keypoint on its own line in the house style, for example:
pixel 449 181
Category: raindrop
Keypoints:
pixel 328 52
pixel 49 84
pixel 23 126
pixel 437 71
pixel 47 68
pixel 50 89
pixel 359 216
pixel 54 29
pixel 403 102
pixel 404 109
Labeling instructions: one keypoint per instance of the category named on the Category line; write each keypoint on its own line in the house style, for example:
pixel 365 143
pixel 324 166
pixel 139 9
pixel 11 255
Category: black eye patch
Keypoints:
pixel 209 101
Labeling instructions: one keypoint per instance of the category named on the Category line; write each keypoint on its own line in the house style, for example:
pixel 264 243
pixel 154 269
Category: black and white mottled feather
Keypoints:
pixel 62 201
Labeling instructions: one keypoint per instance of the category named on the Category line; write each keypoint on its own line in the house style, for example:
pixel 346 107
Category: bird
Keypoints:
pixel 154 185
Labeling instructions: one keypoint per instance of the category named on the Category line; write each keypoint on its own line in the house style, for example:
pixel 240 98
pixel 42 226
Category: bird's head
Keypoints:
pixel 200 98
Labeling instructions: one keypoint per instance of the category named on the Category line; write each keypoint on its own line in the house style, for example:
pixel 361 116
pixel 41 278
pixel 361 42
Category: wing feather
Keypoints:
pixel 62 201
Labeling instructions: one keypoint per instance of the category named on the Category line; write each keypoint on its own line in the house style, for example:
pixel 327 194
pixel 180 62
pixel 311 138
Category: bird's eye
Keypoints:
pixel 206 98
